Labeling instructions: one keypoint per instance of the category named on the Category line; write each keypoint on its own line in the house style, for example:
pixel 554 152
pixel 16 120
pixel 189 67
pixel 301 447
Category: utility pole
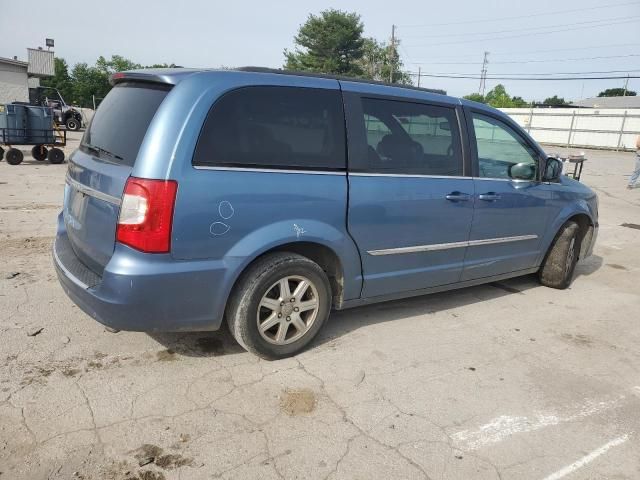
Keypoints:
pixel 483 74
pixel 626 85
pixel 419 75
pixel 392 52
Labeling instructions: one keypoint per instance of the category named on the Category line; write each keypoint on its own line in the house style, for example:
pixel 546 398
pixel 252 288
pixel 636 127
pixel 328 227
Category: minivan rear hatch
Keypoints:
pixel 99 169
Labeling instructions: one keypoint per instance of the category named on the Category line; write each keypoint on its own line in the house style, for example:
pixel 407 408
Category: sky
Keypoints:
pixel 546 36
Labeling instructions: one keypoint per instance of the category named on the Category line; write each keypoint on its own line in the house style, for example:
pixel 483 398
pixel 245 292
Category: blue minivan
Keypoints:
pixel 269 198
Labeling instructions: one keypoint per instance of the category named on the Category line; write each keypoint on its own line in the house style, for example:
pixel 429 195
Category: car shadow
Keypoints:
pixel 340 323
pixel 589 266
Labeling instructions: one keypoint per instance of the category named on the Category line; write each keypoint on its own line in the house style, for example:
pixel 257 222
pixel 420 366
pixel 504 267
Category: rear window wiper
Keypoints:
pixel 99 150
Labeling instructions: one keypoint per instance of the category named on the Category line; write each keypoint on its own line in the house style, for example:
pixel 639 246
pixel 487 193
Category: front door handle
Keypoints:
pixel 489 196
pixel 458 197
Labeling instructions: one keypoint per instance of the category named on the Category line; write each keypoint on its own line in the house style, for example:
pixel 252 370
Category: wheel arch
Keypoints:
pixel 325 256
pixel 578 213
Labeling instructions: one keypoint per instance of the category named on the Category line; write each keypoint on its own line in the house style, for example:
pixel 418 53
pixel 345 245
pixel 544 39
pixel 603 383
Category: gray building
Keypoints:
pixel 16 76
pixel 609 102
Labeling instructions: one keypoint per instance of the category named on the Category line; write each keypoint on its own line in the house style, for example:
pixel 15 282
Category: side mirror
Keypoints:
pixel 552 170
pixel 445 126
pixel 523 171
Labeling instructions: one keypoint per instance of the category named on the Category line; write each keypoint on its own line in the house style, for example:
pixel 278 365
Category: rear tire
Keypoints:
pixel 14 156
pixel 39 152
pixel 278 305
pixel 55 156
pixel 560 263
pixel 1 153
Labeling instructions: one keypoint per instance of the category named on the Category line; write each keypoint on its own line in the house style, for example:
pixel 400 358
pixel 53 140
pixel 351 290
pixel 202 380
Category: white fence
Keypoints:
pixel 614 129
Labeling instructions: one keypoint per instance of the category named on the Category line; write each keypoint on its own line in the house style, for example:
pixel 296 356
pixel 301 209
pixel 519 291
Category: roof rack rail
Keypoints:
pixel 335 77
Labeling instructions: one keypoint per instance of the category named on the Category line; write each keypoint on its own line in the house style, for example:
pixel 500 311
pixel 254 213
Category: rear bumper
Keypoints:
pixel 143 292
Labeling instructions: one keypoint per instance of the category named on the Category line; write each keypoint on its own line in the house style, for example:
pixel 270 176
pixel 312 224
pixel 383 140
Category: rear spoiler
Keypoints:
pixel 165 76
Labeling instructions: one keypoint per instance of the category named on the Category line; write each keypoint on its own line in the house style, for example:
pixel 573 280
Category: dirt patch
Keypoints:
pixel 32 244
pixel 147 453
pixel 298 401
pixel 152 454
pixel 69 372
pixel 172 461
pixel 74 366
pixel 146 475
pixel 579 339
pixel 167 355
pixel 31 206
pixel 616 266
pixel 635 226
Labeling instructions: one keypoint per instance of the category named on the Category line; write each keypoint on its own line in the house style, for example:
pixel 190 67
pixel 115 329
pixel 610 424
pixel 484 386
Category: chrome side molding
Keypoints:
pixel 446 246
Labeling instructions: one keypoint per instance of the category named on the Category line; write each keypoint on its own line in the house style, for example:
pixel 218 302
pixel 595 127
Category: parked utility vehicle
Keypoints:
pixel 269 199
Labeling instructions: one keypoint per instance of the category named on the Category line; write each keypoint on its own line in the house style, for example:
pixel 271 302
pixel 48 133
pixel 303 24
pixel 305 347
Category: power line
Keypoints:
pixel 463 22
pixel 528 61
pixel 521 35
pixel 476 77
pixel 546 27
pixel 540 74
pixel 519 54
pixel 594 47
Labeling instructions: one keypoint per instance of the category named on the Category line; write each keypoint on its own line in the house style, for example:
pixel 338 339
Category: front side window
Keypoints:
pixel 411 138
pixel 274 127
pixel 502 152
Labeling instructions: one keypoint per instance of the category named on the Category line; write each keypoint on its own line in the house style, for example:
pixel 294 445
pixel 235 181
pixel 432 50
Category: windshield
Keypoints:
pixel 121 121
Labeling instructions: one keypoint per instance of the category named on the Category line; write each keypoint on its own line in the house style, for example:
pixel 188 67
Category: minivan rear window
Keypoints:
pixel 121 121
pixel 274 127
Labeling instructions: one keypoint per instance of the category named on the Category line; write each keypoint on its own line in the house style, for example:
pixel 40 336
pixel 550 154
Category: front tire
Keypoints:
pixel 279 305
pixel 560 263
pixel 72 124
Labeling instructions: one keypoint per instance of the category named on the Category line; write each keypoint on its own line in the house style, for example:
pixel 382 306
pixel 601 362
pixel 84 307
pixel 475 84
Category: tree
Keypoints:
pixel 163 65
pixel 328 43
pixel 499 98
pixel 379 60
pixel 87 82
pixel 475 97
pixel 116 64
pixel 61 80
pixel 616 92
pixel 519 102
pixel 555 101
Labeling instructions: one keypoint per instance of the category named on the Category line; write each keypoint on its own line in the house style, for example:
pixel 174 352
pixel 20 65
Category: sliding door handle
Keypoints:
pixel 458 197
pixel 489 197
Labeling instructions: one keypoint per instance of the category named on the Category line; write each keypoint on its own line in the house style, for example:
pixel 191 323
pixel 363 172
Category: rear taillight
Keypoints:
pixel 146 214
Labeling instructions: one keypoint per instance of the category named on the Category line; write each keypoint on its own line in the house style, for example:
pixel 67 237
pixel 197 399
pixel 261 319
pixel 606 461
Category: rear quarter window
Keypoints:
pixel 122 119
pixel 274 127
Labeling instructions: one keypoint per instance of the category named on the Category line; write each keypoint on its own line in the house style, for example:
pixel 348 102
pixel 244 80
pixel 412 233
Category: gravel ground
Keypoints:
pixel 509 380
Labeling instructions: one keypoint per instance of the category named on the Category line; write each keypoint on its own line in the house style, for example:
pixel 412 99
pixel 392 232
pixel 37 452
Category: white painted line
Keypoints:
pixel 563 472
pixel 504 426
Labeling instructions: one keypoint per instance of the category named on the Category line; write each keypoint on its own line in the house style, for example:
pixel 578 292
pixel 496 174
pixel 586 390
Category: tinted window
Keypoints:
pixel 122 119
pixel 411 138
pixel 275 127
pixel 500 147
